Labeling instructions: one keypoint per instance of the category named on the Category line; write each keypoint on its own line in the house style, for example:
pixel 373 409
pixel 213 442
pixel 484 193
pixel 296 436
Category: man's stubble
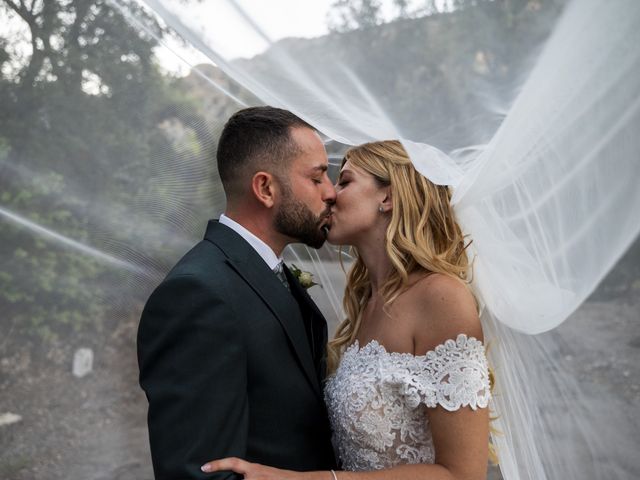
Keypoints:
pixel 295 220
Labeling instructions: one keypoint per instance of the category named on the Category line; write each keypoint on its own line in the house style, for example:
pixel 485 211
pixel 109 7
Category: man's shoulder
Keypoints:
pixel 201 273
pixel 201 253
pixel 204 262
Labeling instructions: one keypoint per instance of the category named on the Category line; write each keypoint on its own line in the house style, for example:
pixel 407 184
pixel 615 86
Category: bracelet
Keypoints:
pixel 335 477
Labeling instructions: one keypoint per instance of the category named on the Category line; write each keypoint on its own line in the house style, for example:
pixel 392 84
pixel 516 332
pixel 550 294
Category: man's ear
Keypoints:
pixel 262 185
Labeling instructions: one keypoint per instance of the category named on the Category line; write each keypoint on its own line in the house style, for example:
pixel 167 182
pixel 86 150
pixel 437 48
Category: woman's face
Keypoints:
pixel 355 212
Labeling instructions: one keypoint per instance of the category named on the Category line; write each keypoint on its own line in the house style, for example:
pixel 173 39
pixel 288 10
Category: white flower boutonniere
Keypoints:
pixel 305 278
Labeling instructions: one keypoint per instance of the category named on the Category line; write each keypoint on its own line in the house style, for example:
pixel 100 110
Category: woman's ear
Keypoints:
pixel 262 186
pixel 387 204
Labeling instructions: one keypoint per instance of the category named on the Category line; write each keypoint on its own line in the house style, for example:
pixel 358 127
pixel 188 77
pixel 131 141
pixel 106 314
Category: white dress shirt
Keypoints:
pixel 264 250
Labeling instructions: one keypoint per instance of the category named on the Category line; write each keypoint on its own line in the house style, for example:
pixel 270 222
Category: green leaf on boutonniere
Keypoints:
pixel 305 278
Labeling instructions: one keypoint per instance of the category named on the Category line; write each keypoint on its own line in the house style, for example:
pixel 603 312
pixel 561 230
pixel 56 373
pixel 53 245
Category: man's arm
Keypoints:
pixel 193 370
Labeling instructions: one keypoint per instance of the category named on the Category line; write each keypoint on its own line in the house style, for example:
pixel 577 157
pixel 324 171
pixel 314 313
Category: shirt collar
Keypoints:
pixel 264 250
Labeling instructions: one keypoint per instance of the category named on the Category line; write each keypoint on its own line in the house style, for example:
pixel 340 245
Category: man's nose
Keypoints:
pixel 329 193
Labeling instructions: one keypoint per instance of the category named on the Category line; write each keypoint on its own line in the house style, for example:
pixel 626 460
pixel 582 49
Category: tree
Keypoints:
pixel 354 14
pixel 347 15
pixel 84 58
pixel 85 104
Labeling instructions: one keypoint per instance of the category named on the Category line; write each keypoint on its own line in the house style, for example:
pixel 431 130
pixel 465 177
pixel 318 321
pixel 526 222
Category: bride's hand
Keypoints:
pixel 251 471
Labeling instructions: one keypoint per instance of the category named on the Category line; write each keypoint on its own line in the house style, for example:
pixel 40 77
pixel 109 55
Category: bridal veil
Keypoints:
pixel 528 109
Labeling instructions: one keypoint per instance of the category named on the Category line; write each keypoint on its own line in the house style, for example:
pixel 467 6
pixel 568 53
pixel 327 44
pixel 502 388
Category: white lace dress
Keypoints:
pixel 378 400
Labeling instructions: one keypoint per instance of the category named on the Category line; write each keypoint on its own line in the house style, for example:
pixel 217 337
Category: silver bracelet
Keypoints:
pixel 335 477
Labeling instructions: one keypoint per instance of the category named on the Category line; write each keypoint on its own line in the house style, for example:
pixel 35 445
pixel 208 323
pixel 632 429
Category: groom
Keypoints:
pixel 230 346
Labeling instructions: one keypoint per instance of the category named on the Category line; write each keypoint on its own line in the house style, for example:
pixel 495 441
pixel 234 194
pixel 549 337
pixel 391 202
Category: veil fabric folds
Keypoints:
pixel 528 109
pixel 542 159
pixel 540 196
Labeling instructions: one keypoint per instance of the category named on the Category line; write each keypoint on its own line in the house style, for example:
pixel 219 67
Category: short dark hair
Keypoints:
pixel 257 138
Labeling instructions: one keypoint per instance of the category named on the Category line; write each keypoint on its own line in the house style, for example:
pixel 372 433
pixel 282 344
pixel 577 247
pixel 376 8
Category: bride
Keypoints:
pixel 410 386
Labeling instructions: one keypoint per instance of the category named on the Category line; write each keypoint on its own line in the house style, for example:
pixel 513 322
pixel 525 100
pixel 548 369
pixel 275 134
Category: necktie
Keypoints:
pixel 279 271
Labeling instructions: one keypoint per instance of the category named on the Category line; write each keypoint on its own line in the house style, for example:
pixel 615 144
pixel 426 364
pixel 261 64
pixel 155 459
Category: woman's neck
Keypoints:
pixel 374 255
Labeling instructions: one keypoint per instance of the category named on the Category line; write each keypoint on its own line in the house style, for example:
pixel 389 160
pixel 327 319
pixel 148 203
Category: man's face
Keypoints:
pixel 307 193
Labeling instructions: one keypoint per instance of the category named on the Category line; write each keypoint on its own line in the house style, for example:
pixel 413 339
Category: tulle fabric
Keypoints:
pixel 544 166
pixel 553 185
pixel 542 157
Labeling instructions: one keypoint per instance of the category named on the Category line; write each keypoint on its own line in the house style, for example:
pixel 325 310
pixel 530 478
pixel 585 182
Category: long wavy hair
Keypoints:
pixel 422 236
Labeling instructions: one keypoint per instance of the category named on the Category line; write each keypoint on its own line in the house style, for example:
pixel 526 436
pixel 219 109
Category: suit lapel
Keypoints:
pixel 319 324
pixel 302 292
pixel 242 258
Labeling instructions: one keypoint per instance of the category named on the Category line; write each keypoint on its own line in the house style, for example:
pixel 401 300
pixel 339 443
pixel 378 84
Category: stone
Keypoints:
pixel 9 418
pixel 82 362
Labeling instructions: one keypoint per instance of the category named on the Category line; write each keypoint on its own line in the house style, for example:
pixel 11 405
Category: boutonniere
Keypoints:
pixel 305 278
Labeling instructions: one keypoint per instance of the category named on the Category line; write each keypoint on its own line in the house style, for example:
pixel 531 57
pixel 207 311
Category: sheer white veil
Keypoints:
pixel 548 199
pixel 528 109
pixel 545 184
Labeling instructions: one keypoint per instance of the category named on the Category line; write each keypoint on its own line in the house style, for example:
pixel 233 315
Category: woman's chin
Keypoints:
pixel 333 238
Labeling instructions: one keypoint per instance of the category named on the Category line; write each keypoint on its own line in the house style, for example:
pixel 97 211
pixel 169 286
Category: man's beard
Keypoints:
pixel 295 220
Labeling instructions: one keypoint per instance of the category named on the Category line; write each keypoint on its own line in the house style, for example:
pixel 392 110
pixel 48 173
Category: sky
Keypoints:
pixel 225 29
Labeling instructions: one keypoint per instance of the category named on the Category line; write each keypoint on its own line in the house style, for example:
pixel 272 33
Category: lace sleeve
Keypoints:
pixel 454 375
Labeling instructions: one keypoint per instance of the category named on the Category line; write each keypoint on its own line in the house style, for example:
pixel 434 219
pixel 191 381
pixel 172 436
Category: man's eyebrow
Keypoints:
pixel 322 168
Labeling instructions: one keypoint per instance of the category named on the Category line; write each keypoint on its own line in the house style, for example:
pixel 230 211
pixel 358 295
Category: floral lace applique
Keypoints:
pixel 377 400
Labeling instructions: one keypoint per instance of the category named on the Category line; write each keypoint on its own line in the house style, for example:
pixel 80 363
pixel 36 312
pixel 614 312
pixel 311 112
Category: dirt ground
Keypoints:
pixel 74 428
pixel 94 428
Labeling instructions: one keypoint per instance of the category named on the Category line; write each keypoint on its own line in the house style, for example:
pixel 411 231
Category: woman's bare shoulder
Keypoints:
pixel 440 307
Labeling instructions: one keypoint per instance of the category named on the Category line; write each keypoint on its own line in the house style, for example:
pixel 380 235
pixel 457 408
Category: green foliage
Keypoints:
pixel 353 14
pixel 43 286
pixel 89 104
pixel 348 15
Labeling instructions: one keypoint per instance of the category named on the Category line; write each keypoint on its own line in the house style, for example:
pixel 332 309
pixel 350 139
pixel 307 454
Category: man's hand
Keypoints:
pixel 250 471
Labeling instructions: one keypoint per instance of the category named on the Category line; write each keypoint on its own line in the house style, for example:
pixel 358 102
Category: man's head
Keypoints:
pixel 273 167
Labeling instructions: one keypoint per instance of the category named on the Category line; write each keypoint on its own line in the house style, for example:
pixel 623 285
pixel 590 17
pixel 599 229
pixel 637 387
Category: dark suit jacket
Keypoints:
pixel 227 365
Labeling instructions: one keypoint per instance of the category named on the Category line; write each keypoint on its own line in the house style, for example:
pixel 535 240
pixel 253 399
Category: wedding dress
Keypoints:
pixel 378 400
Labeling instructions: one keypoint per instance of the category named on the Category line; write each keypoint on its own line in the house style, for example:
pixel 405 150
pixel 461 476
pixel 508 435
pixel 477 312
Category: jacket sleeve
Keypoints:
pixel 193 370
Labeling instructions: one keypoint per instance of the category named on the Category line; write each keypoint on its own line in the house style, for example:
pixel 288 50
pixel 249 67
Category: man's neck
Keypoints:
pixel 261 228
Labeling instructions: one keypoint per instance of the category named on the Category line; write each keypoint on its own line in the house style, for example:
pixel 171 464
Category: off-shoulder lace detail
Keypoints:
pixel 377 400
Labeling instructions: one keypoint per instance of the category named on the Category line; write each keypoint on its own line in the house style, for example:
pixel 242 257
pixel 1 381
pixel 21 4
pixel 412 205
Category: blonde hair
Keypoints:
pixel 422 235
